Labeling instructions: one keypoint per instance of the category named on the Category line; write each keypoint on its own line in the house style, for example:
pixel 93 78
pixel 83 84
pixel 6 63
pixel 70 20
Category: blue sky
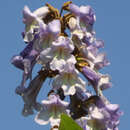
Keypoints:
pixel 112 26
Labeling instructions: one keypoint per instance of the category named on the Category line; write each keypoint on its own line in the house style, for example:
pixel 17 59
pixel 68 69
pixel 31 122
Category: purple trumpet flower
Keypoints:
pixel 52 109
pixel 68 78
pixel 89 48
pixel 101 115
pixel 53 29
pixel 64 58
pixel 85 14
pixel 47 34
pixel 97 43
pixel 98 60
pixel 30 94
pixel 25 61
pixel 98 81
pixel 32 21
pixel 29 17
pixel 105 115
pixel 101 61
pixel 91 52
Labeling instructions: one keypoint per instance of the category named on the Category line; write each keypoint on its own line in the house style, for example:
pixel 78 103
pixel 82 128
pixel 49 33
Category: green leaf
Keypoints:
pixel 67 123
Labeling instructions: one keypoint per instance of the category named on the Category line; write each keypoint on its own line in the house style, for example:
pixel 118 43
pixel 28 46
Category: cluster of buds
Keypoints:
pixel 65 56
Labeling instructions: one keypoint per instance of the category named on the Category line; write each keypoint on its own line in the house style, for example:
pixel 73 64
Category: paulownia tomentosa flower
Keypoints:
pixel 66 47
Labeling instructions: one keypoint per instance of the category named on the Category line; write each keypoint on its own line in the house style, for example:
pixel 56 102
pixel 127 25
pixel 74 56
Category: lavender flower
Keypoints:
pixel 32 21
pixel 64 58
pixel 101 116
pixel 25 61
pixel 30 94
pixel 85 14
pixel 62 49
pixel 47 34
pixel 89 49
pixel 57 54
pixel 51 111
pixel 104 116
pixel 98 81
pixel 68 79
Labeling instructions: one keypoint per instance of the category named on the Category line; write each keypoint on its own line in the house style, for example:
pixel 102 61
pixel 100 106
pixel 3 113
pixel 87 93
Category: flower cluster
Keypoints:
pixel 64 58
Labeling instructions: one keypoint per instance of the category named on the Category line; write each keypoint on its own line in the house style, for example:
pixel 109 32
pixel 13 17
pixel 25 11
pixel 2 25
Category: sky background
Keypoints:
pixel 112 25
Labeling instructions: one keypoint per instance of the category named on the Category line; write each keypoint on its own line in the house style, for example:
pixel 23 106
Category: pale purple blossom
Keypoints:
pixel 47 34
pixel 25 61
pixel 98 80
pixel 104 116
pixel 65 58
pixel 90 49
pixel 101 116
pixel 30 94
pixel 57 54
pixel 85 14
pixel 68 79
pixel 32 21
pixel 51 111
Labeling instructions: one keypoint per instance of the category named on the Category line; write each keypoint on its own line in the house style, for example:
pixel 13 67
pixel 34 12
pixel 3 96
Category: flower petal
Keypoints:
pixel 57 64
pixel 17 61
pixel 41 12
pixel 71 91
pixel 54 27
pixel 91 74
pixel 74 9
pixel 101 61
pixel 95 113
pixel 45 56
pixel 104 82
pixel 54 122
pixel 28 16
pixel 43 117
